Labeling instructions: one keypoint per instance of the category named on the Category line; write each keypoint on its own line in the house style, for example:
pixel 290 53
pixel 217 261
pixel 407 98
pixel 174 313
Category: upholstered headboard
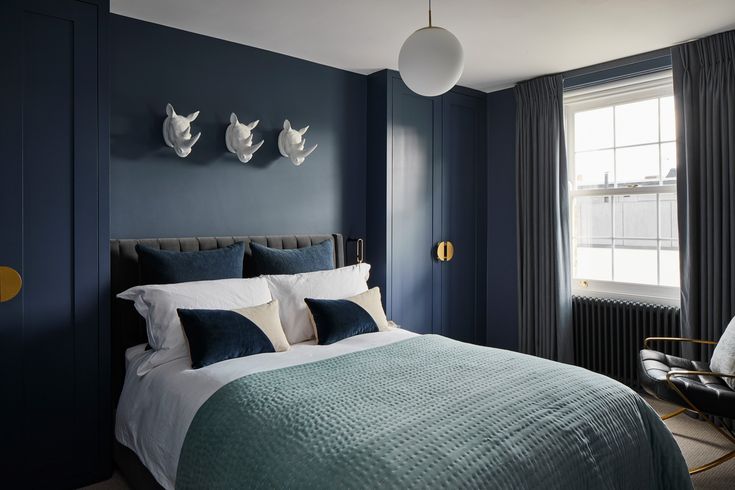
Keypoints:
pixel 128 328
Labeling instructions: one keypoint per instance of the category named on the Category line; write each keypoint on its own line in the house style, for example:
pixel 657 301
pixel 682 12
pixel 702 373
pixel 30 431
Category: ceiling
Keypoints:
pixel 504 40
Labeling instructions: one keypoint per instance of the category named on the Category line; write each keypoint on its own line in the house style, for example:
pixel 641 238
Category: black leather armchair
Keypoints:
pixel 690 385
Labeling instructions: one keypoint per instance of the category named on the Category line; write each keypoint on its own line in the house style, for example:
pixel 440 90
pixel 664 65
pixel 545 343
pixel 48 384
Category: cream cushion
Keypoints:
pixel 267 319
pixel 370 301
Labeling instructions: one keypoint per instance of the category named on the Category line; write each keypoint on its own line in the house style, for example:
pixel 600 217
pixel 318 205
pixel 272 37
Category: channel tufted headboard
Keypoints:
pixel 128 328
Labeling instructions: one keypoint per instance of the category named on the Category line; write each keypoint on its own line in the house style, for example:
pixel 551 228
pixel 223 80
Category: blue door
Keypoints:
pixel 53 215
pixel 415 201
pixel 463 215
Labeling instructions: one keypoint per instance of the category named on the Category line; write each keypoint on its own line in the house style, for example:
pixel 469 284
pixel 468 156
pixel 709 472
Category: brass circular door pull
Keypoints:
pixel 445 251
pixel 10 283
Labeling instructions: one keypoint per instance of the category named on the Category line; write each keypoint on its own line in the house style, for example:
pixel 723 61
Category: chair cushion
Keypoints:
pixel 723 358
pixel 708 393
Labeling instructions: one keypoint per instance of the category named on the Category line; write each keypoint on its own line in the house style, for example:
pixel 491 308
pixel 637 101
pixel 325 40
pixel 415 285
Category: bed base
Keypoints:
pixel 132 470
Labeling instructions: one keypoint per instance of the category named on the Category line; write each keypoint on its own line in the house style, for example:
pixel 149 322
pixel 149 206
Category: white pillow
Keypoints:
pixel 157 303
pixel 723 358
pixel 290 291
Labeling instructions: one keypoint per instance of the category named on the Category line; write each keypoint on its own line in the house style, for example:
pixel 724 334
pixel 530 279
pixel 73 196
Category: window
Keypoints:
pixel 621 146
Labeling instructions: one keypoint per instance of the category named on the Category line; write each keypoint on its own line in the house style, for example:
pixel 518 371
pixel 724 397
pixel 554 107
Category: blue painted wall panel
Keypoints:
pixel 502 249
pixel 463 173
pixel 414 167
pixel 55 236
pixel 154 193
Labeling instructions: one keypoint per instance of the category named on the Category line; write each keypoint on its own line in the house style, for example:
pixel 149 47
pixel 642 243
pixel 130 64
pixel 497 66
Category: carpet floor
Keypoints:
pixel 698 441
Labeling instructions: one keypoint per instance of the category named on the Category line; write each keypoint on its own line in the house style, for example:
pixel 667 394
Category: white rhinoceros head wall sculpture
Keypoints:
pixel 239 139
pixel 291 143
pixel 177 131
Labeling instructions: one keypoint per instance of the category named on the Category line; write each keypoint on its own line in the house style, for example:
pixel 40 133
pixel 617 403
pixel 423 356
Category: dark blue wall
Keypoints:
pixel 154 193
pixel 502 258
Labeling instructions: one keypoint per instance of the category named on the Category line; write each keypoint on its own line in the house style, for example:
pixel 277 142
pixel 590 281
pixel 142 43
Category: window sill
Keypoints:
pixel 641 293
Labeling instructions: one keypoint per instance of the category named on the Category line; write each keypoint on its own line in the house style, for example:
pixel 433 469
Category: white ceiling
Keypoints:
pixel 504 40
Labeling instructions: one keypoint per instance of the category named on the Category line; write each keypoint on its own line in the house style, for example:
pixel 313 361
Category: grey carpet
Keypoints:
pixel 699 442
pixel 115 483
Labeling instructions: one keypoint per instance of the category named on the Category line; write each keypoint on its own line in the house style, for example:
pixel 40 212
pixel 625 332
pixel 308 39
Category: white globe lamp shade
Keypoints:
pixel 431 61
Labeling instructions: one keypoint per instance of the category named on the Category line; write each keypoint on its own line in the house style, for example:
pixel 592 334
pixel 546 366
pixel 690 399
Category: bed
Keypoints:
pixel 385 409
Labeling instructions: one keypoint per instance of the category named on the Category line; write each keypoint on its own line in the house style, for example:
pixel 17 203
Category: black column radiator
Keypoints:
pixel 609 333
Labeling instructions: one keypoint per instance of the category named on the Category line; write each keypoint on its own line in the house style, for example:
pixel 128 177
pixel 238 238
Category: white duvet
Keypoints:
pixel 155 410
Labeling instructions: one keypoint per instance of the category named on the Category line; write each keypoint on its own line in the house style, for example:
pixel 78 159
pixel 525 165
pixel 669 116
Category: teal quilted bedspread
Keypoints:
pixel 429 412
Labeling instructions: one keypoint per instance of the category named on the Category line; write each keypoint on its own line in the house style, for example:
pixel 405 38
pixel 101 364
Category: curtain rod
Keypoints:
pixel 624 68
pixel 608 65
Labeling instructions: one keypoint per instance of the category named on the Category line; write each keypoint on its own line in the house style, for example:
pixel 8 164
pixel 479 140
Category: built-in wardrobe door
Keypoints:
pixel 415 200
pixel 463 214
pixel 426 184
pixel 54 214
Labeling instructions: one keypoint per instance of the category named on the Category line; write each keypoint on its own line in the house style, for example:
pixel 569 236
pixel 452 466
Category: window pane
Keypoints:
pixel 592 217
pixel 627 141
pixel 594 168
pixel 669 255
pixel 635 217
pixel 668 126
pixel 593 238
pixel 636 264
pixel 668 220
pixel 670 267
pixel 668 162
pixel 593 130
pixel 637 165
pixel 593 261
pixel 636 123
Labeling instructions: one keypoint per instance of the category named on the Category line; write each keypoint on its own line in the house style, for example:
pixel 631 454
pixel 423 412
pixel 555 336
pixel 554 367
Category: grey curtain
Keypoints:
pixel 704 91
pixel 545 316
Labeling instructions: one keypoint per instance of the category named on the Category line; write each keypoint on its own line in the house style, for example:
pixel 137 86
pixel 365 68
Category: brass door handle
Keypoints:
pixel 10 283
pixel 444 251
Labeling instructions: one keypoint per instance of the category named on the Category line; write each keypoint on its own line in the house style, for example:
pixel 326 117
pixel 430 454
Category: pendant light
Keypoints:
pixel 431 60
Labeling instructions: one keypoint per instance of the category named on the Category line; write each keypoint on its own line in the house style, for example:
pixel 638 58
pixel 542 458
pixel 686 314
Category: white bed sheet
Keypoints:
pixel 155 410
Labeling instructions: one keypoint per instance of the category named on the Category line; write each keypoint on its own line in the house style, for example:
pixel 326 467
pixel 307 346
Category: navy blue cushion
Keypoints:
pixel 268 260
pixel 218 335
pixel 167 267
pixel 338 319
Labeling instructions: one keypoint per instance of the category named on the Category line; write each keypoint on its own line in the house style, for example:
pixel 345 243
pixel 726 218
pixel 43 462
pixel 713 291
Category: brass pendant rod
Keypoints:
pixel 429 13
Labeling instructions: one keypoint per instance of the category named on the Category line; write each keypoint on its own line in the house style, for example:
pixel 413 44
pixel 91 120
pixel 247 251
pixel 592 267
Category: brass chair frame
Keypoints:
pixel 669 379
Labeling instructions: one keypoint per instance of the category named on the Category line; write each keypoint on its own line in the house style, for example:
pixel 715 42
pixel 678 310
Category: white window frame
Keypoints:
pixel 658 84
